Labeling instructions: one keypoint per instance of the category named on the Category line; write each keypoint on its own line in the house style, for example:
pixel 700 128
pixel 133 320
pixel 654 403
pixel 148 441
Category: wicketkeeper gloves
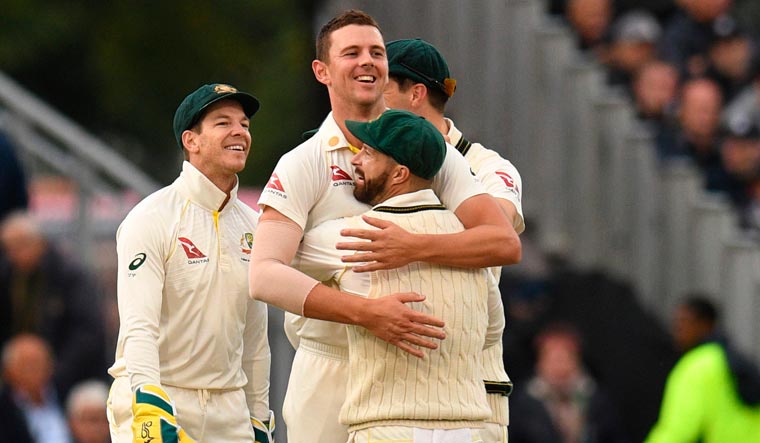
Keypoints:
pixel 154 420
pixel 263 430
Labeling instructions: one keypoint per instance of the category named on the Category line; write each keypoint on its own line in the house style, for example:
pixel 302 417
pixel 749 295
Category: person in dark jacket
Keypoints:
pixel 562 403
pixel 49 294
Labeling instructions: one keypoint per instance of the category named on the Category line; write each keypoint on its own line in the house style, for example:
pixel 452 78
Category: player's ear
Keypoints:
pixel 400 174
pixel 190 141
pixel 419 93
pixel 321 72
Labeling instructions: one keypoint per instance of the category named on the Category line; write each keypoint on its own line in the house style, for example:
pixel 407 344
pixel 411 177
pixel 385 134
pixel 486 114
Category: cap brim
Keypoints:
pixel 249 103
pixel 360 130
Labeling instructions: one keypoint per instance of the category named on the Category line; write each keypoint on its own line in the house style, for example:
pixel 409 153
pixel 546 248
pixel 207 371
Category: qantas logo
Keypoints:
pixel 274 183
pixel 190 249
pixel 508 180
pixel 339 174
pixel 340 177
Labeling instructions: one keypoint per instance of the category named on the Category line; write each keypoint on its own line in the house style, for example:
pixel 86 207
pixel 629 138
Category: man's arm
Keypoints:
pixel 273 281
pixel 139 293
pixel 256 359
pixel 488 240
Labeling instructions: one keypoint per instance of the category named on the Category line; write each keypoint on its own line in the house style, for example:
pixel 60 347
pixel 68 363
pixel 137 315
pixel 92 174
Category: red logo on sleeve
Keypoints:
pixel 509 181
pixel 339 174
pixel 190 249
pixel 274 183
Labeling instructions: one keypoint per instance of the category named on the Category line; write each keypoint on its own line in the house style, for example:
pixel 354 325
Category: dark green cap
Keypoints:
pixel 410 139
pixel 419 61
pixel 192 107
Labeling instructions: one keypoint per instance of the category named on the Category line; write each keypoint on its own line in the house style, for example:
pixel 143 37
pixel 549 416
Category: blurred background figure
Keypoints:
pixel 690 31
pixel 30 407
pixel 731 57
pixel 590 19
pixel 562 403
pixel 86 412
pixel 44 292
pixel 697 133
pixel 633 42
pixel 726 406
pixel 14 195
pixel 739 169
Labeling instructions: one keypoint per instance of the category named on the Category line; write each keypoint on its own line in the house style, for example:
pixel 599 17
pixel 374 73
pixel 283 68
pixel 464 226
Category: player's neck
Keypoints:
pixel 349 111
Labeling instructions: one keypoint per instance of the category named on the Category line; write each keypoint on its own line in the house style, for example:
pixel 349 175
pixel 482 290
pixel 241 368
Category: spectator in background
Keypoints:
pixel 591 21
pixel 746 103
pixel 633 40
pixel 655 89
pixel 712 395
pixel 14 195
pixel 46 293
pixel 731 57
pixel 86 412
pixel 562 402
pixel 28 392
pixel 740 164
pixel 697 134
pixel 689 32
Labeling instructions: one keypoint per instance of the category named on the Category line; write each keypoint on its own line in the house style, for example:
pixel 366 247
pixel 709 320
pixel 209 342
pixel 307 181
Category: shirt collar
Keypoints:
pixel 417 198
pixel 454 134
pixel 199 189
pixel 330 136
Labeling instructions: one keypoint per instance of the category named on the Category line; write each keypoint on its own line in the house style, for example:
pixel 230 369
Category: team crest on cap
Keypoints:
pixel 340 177
pixel 224 89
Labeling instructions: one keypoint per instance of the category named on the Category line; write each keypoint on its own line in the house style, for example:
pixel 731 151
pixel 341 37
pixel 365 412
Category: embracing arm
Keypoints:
pixel 488 240
pixel 273 281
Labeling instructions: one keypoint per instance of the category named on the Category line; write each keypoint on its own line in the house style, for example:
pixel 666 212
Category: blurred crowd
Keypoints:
pixel 693 73
pixel 53 338
pixel 589 363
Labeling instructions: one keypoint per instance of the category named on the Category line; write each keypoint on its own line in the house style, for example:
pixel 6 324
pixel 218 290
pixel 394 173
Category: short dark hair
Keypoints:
pixel 437 97
pixel 701 306
pixel 349 17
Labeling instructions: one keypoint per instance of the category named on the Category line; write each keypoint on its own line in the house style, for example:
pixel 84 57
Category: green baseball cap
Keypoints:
pixel 418 60
pixel 410 139
pixel 194 105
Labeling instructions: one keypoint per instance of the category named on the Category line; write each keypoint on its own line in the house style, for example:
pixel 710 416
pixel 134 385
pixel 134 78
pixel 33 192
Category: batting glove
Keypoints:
pixel 263 431
pixel 153 418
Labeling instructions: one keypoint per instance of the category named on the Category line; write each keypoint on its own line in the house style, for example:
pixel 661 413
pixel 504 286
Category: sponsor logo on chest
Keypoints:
pixel 194 255
pixel 340 177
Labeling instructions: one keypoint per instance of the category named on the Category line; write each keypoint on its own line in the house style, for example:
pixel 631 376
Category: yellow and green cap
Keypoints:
pixel 421 62
pixel 194 105
pixel 408 138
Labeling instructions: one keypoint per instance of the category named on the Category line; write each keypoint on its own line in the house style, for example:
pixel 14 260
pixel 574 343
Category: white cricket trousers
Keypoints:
pixel 316 391
pixel 208 416
pixel 406 434
pixel 494 433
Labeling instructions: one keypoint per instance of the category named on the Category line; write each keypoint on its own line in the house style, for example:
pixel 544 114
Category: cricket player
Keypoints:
pixel 391 395
pixel 420 82
pixel 192 358
pixel 314 183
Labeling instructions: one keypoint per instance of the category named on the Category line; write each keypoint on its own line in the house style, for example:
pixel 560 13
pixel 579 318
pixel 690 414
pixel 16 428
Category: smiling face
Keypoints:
pixel 371 172
pixel 219 144
pixel 356 69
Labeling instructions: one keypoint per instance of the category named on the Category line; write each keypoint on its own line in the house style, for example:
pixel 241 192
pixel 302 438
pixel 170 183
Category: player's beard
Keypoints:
pixel 372 190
